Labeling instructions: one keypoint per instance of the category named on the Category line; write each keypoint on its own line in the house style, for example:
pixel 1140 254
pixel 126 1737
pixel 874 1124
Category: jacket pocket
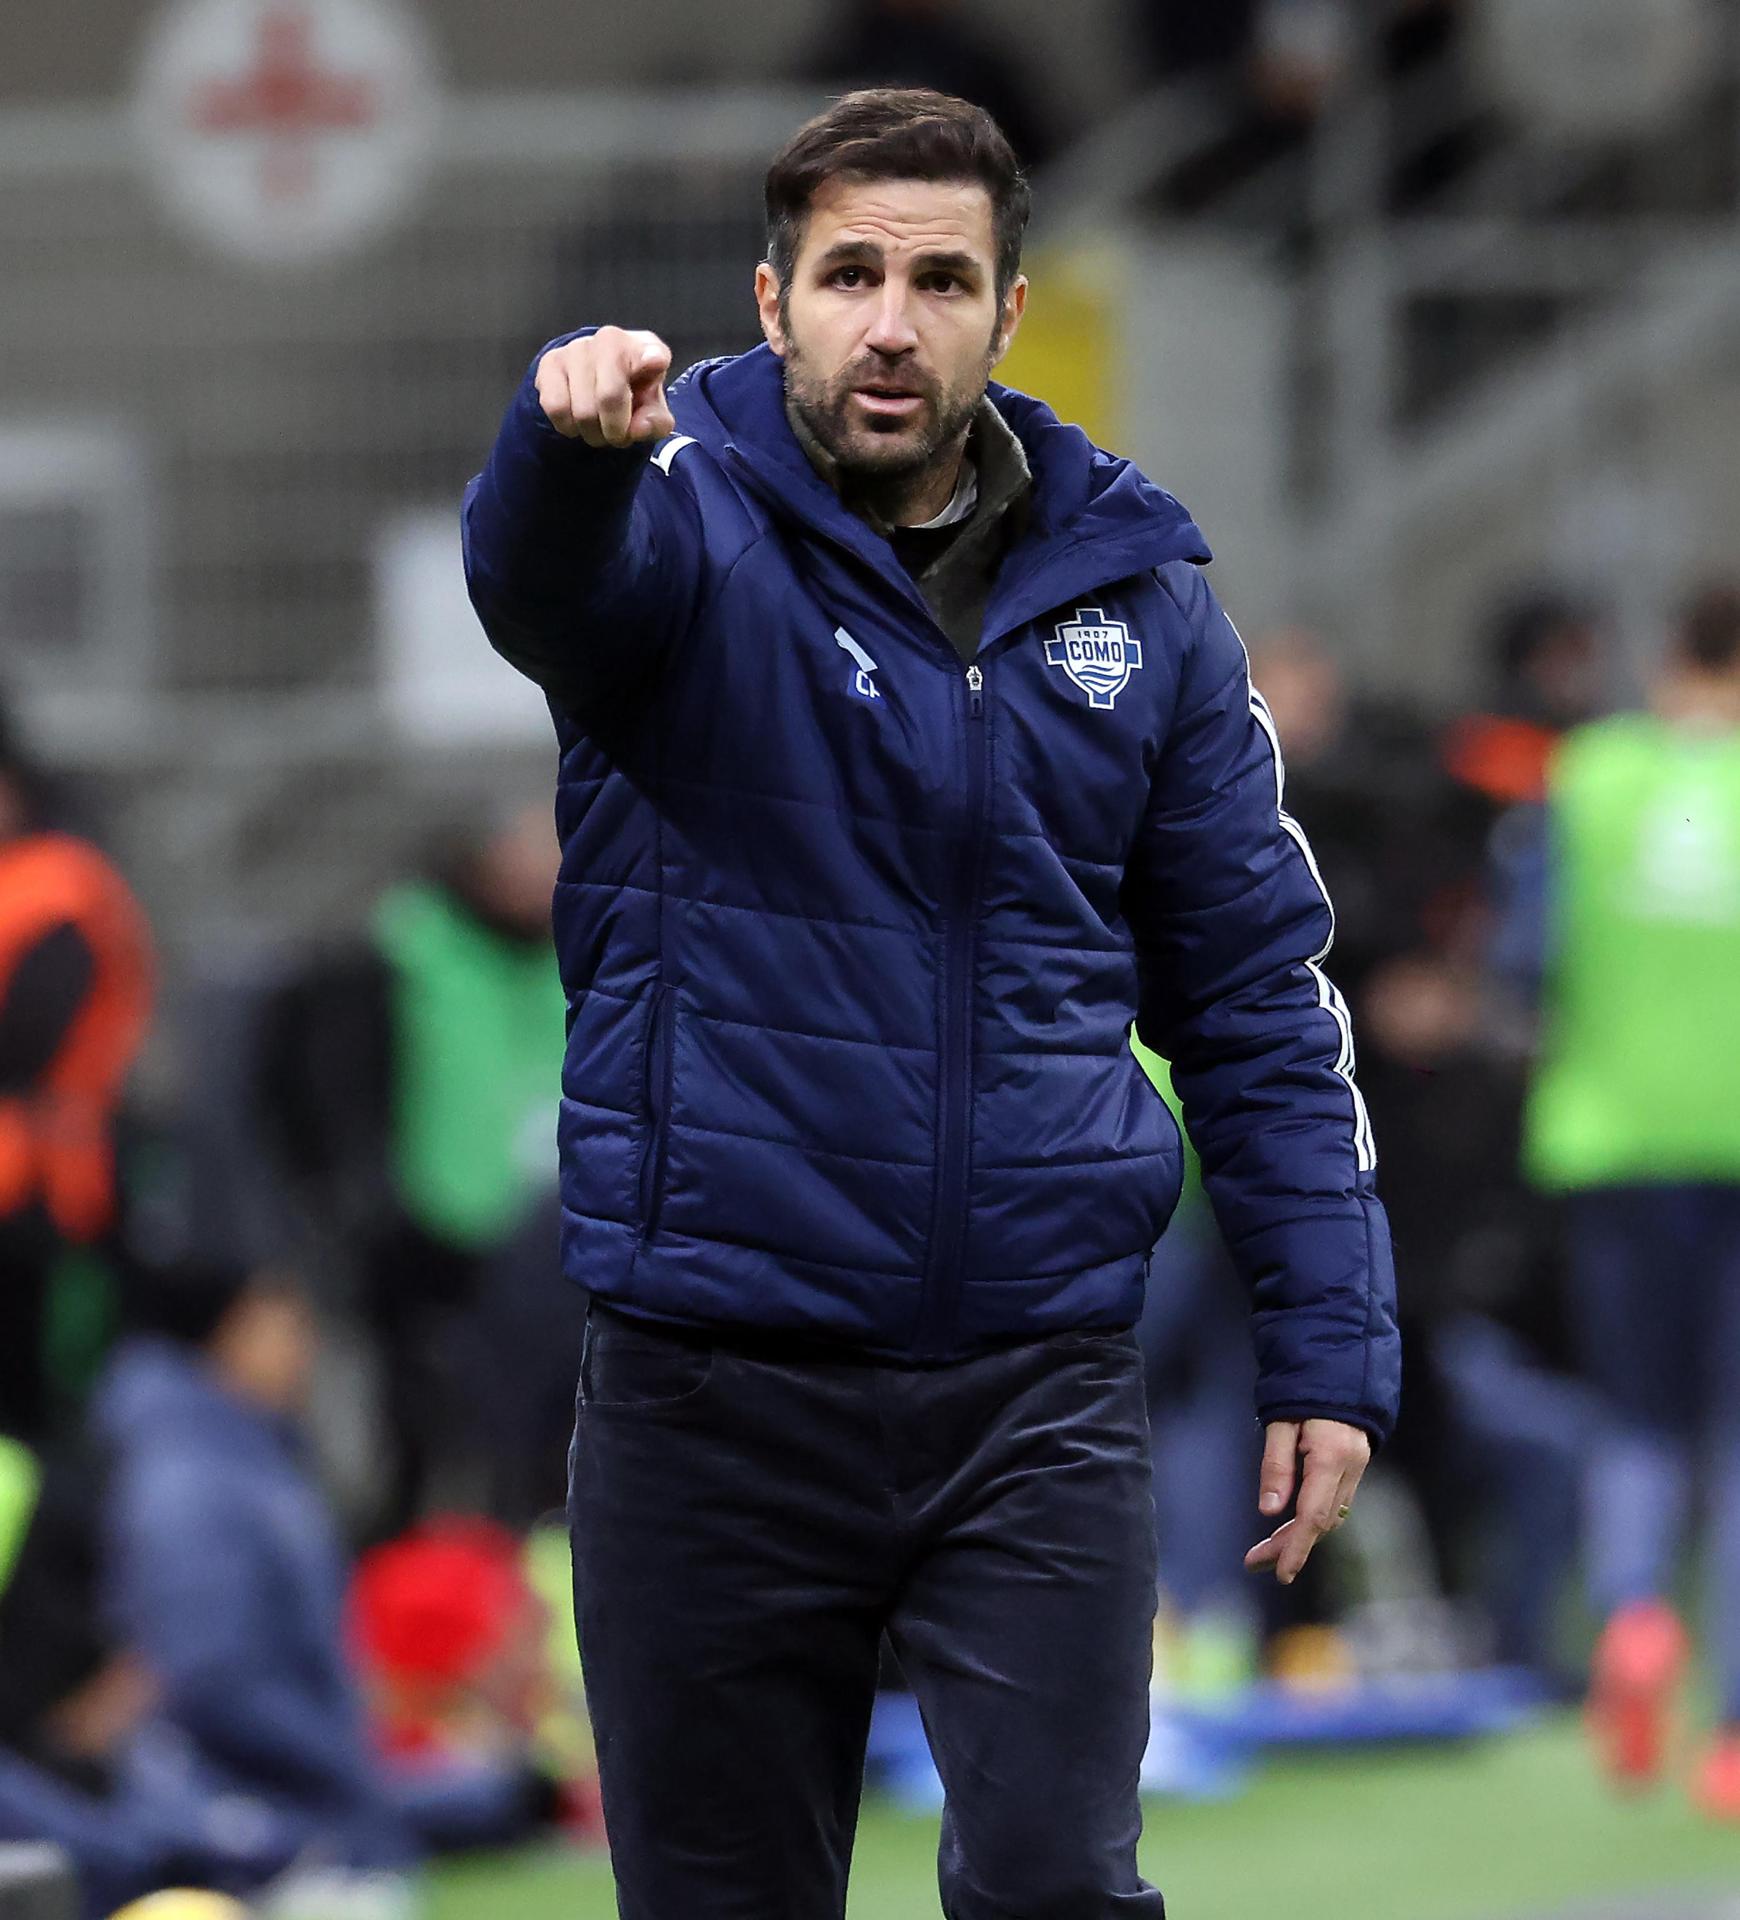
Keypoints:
pixel 660 1053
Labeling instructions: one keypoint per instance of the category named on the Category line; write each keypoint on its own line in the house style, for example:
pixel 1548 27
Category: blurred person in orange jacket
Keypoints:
pixel 1547 674
pixel 75 1003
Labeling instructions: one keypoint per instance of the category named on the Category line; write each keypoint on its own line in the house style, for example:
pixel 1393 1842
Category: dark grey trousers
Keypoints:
pixel 748 1520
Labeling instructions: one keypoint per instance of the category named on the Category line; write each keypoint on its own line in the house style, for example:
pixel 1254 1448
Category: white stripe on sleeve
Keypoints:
pixel 1328 995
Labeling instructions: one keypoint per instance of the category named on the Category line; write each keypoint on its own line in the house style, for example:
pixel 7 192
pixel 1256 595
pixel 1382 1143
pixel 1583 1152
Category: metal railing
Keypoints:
pixel 208 662
pixel 1526 306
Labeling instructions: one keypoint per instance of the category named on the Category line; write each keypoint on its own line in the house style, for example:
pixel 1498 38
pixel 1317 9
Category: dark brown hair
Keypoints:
pixel 896 133
pixel 1710 630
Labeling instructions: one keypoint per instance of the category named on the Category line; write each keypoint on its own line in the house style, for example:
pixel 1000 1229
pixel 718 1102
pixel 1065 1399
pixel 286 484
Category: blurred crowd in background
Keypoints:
pixel 282 1581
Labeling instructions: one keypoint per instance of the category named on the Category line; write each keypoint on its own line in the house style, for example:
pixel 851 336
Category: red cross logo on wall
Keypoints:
pixel 288 98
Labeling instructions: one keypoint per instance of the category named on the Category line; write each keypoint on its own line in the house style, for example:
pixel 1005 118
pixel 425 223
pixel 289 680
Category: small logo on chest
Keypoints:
pixel 863 684
pixel 1097 654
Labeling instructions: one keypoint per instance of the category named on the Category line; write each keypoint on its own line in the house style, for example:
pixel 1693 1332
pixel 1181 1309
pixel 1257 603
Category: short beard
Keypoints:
pixel 884 479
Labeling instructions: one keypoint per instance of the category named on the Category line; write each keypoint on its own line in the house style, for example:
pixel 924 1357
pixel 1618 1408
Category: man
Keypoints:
pixel 405 1082
pixel 222 1565
pixel 1633 1118
pixel 75 1004
pixel 1547 674
pixel 905 758
pixel 206 1722
pixel 196 1719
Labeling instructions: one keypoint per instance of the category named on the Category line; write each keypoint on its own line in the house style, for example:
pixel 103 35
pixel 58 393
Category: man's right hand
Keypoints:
pixel 608 389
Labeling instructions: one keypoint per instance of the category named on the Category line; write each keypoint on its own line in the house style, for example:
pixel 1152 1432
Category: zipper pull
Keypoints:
pixel 975 693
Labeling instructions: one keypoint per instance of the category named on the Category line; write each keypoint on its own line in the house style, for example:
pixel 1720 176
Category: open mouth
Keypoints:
pixel 891 403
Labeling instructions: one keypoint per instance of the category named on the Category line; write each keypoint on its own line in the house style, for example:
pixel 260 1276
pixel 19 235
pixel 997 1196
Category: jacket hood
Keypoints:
pixel 1082 496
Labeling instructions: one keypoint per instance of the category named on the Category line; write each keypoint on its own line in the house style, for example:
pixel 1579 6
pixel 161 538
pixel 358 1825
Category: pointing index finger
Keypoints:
pixel 615 404
pixel 649 357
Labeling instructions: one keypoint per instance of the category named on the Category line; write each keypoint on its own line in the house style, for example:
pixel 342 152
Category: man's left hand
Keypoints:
pixel 1333 1456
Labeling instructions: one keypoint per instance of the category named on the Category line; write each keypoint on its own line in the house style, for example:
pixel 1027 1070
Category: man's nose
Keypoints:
pixel 891 330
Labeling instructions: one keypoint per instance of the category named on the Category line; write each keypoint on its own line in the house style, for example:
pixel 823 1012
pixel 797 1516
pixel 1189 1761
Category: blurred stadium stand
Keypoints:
pixel 1533 356
pixel 166 576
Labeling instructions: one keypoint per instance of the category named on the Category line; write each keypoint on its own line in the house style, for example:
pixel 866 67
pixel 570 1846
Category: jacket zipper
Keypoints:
pixel 942 1282
pixel 660 1058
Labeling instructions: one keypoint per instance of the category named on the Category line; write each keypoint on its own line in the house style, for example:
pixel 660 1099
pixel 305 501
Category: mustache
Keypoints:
pixel 873 373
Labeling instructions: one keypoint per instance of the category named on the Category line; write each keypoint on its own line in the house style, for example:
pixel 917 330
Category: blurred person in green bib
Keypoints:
pixel 406 1091
pixel 1630 900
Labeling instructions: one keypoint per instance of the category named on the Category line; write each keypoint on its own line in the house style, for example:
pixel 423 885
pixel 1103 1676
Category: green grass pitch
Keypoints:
pixel 1507 1830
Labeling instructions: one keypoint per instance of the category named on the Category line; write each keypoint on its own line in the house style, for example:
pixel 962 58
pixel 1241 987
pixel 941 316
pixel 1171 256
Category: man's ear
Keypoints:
pixel 1014 305
pixel 767 304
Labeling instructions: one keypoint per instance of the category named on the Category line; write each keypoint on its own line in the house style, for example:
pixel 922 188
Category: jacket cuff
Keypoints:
pixel 1376 1431
pixel 1323 1296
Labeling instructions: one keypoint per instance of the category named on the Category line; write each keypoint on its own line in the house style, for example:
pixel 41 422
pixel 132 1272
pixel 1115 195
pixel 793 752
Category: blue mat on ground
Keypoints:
pixel 1403 1707
pixel 1204 1752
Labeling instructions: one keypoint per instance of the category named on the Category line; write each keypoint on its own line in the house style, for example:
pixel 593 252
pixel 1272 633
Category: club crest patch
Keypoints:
pixel 1097 654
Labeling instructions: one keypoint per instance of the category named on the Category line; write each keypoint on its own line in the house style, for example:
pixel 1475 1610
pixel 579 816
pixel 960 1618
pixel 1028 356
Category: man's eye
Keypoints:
pixel 848 276
pixel 942 282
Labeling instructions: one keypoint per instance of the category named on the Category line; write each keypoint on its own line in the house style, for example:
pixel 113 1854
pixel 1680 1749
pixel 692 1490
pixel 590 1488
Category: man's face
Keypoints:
pixel 891 324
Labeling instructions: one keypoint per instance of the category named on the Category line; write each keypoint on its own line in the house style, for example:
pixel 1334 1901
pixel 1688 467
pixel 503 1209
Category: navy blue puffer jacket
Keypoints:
pixel 853 936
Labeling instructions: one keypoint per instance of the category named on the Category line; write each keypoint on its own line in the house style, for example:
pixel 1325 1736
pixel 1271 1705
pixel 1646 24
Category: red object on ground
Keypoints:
pixel 1716 1790
pixel 437 1603
pixel 1639 1663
